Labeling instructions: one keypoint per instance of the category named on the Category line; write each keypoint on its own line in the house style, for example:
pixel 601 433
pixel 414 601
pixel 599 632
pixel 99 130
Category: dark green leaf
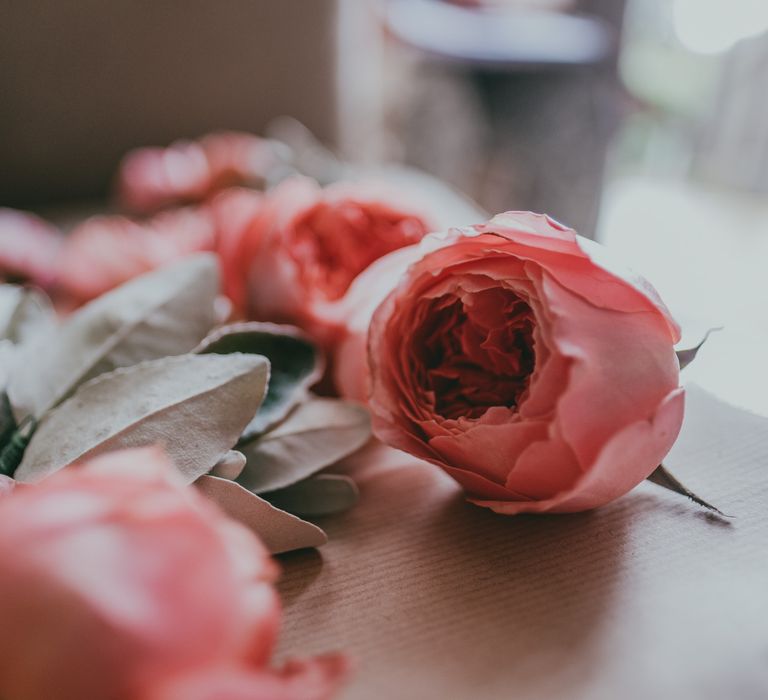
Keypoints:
pixel 295 365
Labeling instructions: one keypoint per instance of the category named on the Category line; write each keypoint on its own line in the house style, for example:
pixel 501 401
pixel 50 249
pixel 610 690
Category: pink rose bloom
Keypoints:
pixel 513 356
pixel 105 251
pixel 232 212
pixel 28 248
pixel 120 583
pixel 311 243
pixel 187 172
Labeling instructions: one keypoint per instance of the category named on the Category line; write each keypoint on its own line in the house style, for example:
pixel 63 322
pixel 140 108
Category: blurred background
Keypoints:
pixel 642 123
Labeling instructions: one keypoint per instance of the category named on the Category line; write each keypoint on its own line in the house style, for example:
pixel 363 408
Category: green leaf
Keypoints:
pixel 324 494
pixel 280 531
pixel 7 422
pixel 23 312
pixel 194 406
pixel 165 312
pixel 317 434
pixel 295 365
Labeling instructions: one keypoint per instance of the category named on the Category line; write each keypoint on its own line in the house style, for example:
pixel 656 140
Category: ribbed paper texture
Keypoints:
pixel 649 597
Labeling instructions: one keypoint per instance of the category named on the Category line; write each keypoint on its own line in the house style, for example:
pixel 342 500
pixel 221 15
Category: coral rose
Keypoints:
pixel 121 583
pixel 311 242
pixel 103 252
pixel 190 171
pixel 106 251
pixel 516 358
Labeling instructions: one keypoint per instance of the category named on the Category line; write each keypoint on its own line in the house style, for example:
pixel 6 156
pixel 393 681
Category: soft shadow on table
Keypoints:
pixel 309 562
pixel 418 580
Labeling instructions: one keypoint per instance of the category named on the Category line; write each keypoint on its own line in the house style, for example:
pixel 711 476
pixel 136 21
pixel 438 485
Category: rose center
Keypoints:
pixel 333 244
pixel 476 351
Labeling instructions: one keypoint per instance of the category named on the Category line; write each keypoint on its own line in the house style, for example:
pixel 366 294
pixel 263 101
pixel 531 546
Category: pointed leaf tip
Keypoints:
pixel 688 355
pixel 662 477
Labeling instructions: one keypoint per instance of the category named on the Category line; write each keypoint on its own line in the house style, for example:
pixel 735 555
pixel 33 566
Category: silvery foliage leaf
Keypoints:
pixel 280 531
pixel 229 466
pixel 295 365
pixel 23 313
pixel 165 312
pixel 323 494
pixel 195 406
pixel 317 434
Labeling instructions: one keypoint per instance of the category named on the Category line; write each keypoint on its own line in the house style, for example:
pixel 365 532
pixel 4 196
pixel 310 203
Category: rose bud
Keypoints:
pixel 28 248
pixel 511 355
pixel 121 583
pixel 187 172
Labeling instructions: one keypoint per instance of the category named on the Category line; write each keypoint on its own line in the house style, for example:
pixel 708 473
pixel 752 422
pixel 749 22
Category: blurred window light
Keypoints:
pixel 714 26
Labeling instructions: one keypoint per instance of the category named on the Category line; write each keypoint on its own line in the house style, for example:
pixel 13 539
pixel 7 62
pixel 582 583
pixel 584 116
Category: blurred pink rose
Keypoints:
pixel 233 212
pixel 312 242
pixel 106 251
pixel 120 583
pixel 512 355
pixel 29 247
pixel 190 171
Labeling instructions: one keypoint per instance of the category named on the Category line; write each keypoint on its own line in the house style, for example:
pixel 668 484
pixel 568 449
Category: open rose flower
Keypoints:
pixel 187 172
pixel 311 242
pixel 514 357
pixel 29 247
pixel 120 583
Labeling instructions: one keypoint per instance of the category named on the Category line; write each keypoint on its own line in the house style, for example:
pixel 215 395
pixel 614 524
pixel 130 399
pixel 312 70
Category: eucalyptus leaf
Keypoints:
pixel 193 405
pixel 324 494
pixel 165 312
pixel 295 365
pixel 317 434
pixel 230 465
pixel 280 531
pixel 23 312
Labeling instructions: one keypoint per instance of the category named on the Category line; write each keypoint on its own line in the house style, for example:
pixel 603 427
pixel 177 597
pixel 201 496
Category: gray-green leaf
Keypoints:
pixel 324 494
pixel 165 312
pixel 23 312
pixel 280 531
pixel 688 355
pixel 295 365
pixel 317 434
pixel 194 406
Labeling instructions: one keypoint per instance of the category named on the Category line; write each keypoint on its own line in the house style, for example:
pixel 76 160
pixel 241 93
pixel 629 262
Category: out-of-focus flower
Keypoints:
pixel 190 171
pixel 29 247
pixel 311 242
pixel 512 355
pixel 120 583
pixel 105 251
